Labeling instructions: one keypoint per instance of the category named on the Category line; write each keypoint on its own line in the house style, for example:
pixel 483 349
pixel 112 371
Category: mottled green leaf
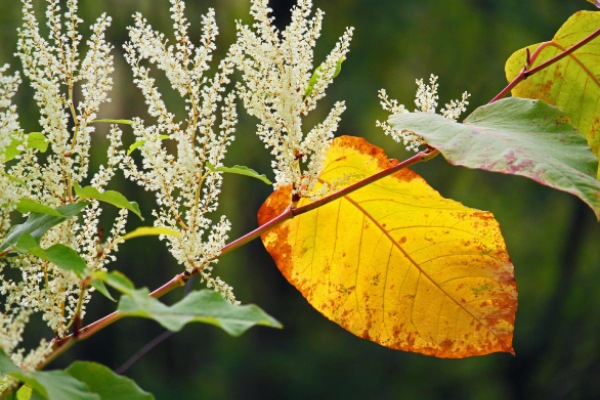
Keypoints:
pixel 104 382
pixel 240 170
pixel 109 196
pixel 515 136
pixel 37 224
pixel 12 150
pixel 573 83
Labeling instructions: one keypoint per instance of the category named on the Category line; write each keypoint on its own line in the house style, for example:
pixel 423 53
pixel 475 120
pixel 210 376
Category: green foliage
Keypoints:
pixel 205 306
pixel 135 145
pixel 573 82
pixel 240 170
pixel 317 74
pixel 51 385
pixel 150 231
pixel 33 140
pixel 80 381
pixel 104 382
pixel 25 206
pixel 109 196
pixel 515 136
pixel 62 256
pixel 39 223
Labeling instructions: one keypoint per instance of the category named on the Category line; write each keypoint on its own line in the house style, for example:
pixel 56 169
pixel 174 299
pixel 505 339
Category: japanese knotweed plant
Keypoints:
pixel 366 240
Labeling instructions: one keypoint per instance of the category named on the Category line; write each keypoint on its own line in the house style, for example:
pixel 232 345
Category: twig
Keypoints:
pixel 527 72
pixel 61 345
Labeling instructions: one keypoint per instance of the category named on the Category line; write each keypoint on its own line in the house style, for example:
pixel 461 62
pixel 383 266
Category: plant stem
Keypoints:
pixel 62 344
pixel 526 72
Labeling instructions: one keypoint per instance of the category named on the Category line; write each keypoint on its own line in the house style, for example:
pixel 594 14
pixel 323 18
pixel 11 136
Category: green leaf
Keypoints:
pixel 62 256
pixel 37 224
pixel 102 289
pixel 317 74
pixel 114 121
pixel 12 150
pixel 24 393
pixel 60 385
pixel 151 231
pixel 51 385
pixel 109 196
pixel 66 258
pixel 140 143
pixel 240 170
pixel 116 280
pixel 35 140
pixel 514 136
pixel 573 83
pixel 26 205
pixel 106 383
pixel 204 306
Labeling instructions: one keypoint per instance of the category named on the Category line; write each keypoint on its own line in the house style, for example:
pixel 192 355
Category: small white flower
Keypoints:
pixel 56 67
pixel 426 101
pixel 280 85
pixel 186 190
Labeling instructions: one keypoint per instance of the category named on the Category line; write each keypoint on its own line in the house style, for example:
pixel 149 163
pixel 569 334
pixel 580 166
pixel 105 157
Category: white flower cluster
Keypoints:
pixel 280 85
pixel 183 176
pixel 179 157
pixel 426 101
pixel 56 69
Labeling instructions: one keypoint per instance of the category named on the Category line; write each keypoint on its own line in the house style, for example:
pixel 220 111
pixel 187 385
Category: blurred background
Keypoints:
pixel 553 238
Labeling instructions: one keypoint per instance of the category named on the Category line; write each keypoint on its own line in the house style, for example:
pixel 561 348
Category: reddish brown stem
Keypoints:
pixel 526 71
pixel 61 345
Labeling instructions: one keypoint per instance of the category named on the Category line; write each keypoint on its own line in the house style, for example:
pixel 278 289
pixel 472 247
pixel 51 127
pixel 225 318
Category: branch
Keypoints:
pixel 526 72
pixel 60 345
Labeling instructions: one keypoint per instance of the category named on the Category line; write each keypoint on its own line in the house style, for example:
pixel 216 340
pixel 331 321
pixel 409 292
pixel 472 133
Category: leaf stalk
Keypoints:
pixel 527 72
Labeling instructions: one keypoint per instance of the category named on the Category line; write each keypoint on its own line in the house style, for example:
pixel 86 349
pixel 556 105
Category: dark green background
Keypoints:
pixel 552 238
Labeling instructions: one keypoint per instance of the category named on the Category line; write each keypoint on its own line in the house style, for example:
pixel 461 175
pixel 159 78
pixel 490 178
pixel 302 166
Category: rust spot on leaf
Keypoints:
pixel 371 292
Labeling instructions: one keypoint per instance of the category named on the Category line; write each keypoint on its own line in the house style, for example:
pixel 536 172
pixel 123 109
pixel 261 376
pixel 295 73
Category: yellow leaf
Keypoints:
pixel 573 83
pixel 395 262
